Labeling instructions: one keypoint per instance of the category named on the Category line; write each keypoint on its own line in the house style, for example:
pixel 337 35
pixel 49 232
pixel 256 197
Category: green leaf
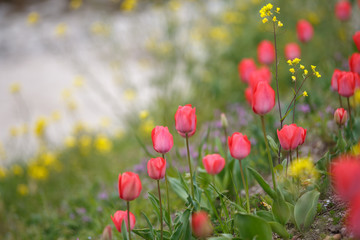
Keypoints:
pixel 155 203
pixel 222 237
pixel 279 229
pixel 220 146
pixel 178 188
pixel 124 231
pixel 252 227
pixel 272 144
pixel 268 216
pixel 280 209
pixel 262 183
pixel 305 209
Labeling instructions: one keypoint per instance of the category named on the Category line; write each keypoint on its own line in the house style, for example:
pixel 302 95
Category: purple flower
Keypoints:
pixel 103 195
pixel 304 108
pixel 80 211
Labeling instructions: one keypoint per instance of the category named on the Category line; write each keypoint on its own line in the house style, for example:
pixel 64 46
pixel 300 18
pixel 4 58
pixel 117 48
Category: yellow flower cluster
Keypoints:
pixel 128 5
pixel 265 12
pixel 40 126
pixel 103 144
pixel 294 63
pixel 303 169
pixel 316 73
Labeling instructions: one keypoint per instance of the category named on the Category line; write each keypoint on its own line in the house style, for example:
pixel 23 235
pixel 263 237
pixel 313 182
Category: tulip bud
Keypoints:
pixel 354 63
pixel 304 31
pixel 107 235
pixel 334 79
pixel 263 99
pixel 119 216
pixel 290 136
pixel 346 84
pixel 224 121
pixel 303 135
pixel 266 52
pixel 239 145
pixel 201 225
pixel 262 74
pixel 292 51
pixel 162 139
pixel 185 120
pixel 245 68
pixel 156 168
pixel 340 116
pixel 213 163
pixel 343 10
pixel 129 186
pixel 356 39
pixel 249 95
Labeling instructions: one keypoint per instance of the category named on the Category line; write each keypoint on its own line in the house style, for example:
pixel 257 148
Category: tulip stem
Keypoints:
pixel 297 153
pixel 340 101
pixel 246 188
pixel 276 73
pixel 167 197
pixel 161 212
pixel 348 101
pixel 293 120
pixel 271 165
pixel 188 154
pixel 128 216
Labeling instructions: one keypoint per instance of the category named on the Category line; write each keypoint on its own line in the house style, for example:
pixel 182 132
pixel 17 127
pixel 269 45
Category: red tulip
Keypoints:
pixel 303 135
pixel 119 216
pixel 201 225
pixel 356 39
pixel 340 116
pixel 239 145
pixel 162 139
pixel 345 172
pixel 213 163
pixel 357 80
pixel 346 84
pixel 304 30
pixel 354 63
pixel 262 74
pixel 156 168
pixel 343 10
pixel 353 220
pixel 246 67
pixel 290 136
pixel 266 52
pixel 248 95
pixel 292 50
pixel 129 186
pixel 185 120
pixel 263 98
pixel 334 79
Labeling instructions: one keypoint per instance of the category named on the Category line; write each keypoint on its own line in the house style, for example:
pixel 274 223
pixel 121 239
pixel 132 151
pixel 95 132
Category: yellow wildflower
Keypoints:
pixel 22 189
pixel 143 114
pixel 147 126
pixel 293 78
pixel 32 18
pixel 103 144
pixel 219 33
pixel 40 126
pixel 15 88
pixel 266 10
pixel 56 116
pixel 129 94
pixel 60 29
pixel 277 10
pixel 274 19
pixel 289 62
pixel 78 81
pixel 48 158
pixel 128 5
pixel 305 72
pixel 70 141
pixel 305 94
pixel 302 66
pixel 2 172
pixel 292 70
pixel 356 98
pixel 355 150
pixel 85 141
pixel 75 4
pixel 17 170
pixel 71 105
pixel 296 61
pixel 265 20
pixel 303 169
pixel 14 131
pixel 80 127
pixel 105 122
pixel 99 28
pixel 313 68
pixel 317 74
pixel 174 5
pixel 280 24
pixel 38 172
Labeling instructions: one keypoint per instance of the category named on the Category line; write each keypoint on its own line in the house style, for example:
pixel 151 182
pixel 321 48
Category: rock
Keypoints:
pixel 334 228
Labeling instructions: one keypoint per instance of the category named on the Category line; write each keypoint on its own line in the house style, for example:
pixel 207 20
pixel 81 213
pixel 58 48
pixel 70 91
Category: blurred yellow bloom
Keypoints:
pixel 128 5
pixel 17 170
pixel 40 126
pixel 147 126
pixel 143 114
pixel 80 127
pixel 99 28
pixel 85 141
pixel 32 18
pixel 230 17
pixel 24 129
pixel 289 62
pixel 66 93
pixel 356 98
pixel 174 5
pixel 48 158
pixel 103 144
pixel 280 24
pixel 277 10
pixel 75 4
pixel 355 150
pixel 71 105
pixel 296 61
pixel 314 18
pixel 70 141
pixel 129 94
pixel 302 66
pixel 22 189
pixel 14 131
pixel 274 19
pixel 56 116
pixel 266 10
pixel 60 29
pixel 105 122
pixel 38 172
pixel 2 172
pixel 292 70
pixel 15 88
pixel 265 20
pixel 303 169
pixel 119 133
pixel 78 81
pixel 305 94
pixel 2 152
pixel 305 72
pixel 293 78
pixel 219 33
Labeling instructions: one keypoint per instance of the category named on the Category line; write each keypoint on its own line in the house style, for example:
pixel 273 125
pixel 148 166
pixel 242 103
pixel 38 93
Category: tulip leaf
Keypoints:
pixel 219 146
pixel 262 183
pixel 280 209
pixel 252 227
pixel 267 215
pixel 178 188
pixel 155 203
pixel 272 144
pixel 124 231
pixel 279 229
pixel 182 229
pixel 305 209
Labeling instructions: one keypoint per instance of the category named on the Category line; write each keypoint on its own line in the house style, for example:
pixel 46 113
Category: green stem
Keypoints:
pixel 348 101
pixel 128 216
pixel 235 189
pixel 340 101
pixel 189 161
pixel 246 188
pixel 167 197
pixel 293 120
pixel 276 73
pixel 161 212
pixel 271 165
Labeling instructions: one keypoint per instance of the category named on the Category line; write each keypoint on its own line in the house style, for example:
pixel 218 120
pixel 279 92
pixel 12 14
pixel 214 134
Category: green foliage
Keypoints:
pixel 305 209
pixel 252 227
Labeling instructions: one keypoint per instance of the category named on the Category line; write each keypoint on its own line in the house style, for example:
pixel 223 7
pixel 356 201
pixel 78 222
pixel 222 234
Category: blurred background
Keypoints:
pixel 83 83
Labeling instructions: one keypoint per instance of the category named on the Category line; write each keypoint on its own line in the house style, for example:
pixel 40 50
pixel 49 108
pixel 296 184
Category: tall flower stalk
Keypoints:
pixel 190 168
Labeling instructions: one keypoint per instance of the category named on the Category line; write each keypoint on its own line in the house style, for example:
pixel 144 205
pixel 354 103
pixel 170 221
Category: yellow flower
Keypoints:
pixel 355 150
pixel 15 88
pixel 22 189
pixel 78 81
pixel 70 141
pixel 280 24
pixel 147 126
pixel 128 5
pixel 303 169
pixel 60 29
pixel 80 127
pixel 293 78
pixel 66 93
pixel 40 126
pixel 14 131
pixel 143 114
pixel 219 33
pixel 56 116
pixel 129 94
pixel 313 68
pixel 99 28
pixel 3 172
pixel 289 62
pixel 75 4
pixel 105 122
pixel 274 19
pixel 17 170
pixel 32 18
pixel 38 172
pixel 174 5
pixel 296 61
pixel 292 70
pixel 48 158
pixel 356 98
pixel 317 74
pixel 305 94
pixel 277 10
pixel 306 72
pixel 85 141
pixel 302 66
pixel 71 105
pixel 265 20
pixel 103 144
pixel 266 10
